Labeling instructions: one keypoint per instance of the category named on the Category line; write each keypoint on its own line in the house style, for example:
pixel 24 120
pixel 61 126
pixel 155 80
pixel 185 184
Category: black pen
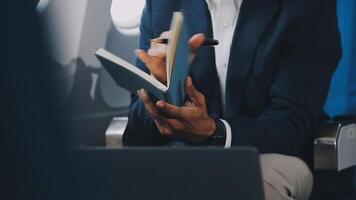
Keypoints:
pixel 207 41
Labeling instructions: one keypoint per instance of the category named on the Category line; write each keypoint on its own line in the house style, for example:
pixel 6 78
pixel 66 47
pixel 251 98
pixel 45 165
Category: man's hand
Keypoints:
pixel 190 121
pixel 155 57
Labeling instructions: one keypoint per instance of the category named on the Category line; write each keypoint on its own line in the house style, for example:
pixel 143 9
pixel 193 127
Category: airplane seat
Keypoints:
pixel 334 159
pixel 334 154
pixel 335 144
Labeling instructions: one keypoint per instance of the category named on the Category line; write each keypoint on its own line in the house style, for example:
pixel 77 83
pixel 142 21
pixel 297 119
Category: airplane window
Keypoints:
pixel 127 18
pixel 42 4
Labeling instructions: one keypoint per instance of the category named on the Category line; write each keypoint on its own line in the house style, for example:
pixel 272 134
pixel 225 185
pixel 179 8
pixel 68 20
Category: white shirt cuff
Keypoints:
pixel 228 134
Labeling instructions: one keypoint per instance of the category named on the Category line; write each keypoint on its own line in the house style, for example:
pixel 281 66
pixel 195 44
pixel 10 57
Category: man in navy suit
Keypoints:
pixel 264 85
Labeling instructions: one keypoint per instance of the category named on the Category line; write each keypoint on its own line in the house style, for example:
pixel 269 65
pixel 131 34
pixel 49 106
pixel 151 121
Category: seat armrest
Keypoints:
pixel 335 144
pixel 115 132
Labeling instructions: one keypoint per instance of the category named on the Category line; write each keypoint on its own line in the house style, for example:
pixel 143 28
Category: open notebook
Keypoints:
pixel 133 78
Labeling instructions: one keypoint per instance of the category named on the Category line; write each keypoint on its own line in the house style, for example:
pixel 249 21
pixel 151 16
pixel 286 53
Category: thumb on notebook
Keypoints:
pixel 195 97
pixel 195 42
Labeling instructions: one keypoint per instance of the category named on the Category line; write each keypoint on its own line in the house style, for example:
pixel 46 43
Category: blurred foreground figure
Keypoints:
pixel 29 125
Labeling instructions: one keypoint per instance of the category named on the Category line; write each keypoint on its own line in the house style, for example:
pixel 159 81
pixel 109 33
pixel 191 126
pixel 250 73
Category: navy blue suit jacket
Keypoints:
pixel 282 58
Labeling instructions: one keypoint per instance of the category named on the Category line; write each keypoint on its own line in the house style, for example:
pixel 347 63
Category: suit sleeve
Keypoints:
pixel 308 58
pixel 141 129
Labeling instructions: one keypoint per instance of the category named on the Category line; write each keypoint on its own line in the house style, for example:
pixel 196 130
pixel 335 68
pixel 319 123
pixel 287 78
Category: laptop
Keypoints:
pixel 166 174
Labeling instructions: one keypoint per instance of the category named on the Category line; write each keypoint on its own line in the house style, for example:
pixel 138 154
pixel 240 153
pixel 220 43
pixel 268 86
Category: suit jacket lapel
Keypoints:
pixel 255 16
pixel 203 70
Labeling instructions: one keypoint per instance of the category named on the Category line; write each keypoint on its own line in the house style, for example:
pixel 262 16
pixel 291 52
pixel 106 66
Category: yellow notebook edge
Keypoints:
pixel 176 27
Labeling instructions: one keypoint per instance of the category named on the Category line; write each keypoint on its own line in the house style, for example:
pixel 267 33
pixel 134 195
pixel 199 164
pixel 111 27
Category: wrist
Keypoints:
pixel 212 127
pixel 218 137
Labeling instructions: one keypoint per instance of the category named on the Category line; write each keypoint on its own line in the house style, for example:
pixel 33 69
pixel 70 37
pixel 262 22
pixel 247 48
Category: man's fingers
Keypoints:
pixel 155 64
pixel 169 109
pixel 160 122
pixel 149 105
pixel 143 56
pixel 165 34
pixel 145 98
pixel 193 94
pixel 175 125
pixel 158 51
pixel 163 129
pixel 196 41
